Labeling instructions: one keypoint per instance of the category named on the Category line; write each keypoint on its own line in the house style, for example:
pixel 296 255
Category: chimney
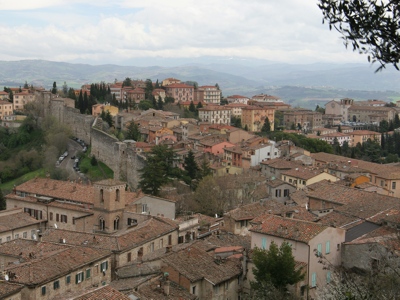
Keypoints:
pixel 166 287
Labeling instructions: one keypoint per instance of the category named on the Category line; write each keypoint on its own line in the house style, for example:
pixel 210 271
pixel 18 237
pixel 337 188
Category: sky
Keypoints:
pixel 123 31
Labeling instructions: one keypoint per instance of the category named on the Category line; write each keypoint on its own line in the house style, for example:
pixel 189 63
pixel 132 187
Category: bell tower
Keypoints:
pixel 109 204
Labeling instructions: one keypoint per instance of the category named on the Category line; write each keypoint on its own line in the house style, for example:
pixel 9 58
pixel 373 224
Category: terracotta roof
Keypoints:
pixel 143 232
pixel 7 289
pixel 250 211
pixel 290 229
pixel 26 250
pixel 176 292
pixel 197 264
pixel 179 85
pixel 3 102
pixel 103 293
pixel 340 220
pixel 303 173
pixel 58 189
pixel 56 265
pixel 17 220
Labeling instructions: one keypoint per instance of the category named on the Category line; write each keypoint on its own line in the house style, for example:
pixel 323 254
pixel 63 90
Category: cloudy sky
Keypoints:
pixel 119 31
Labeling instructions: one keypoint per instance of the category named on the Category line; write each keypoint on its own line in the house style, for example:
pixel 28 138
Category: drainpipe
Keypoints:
pixel 308 271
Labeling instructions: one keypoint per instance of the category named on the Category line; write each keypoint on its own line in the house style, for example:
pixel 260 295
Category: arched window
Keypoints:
pixel 101 195
pixel 102 224
pixel 117 195
pixel 116 223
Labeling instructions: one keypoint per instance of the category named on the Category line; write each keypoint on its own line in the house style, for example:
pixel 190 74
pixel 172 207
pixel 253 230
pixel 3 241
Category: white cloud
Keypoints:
pixel 285 30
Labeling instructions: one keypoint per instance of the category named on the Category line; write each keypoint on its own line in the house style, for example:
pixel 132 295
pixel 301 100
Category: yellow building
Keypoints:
pixel 253 117
pixel 361 136
pixel 6 109
pixel 98 108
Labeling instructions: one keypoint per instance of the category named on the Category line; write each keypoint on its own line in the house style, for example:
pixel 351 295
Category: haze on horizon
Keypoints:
pixel 124 32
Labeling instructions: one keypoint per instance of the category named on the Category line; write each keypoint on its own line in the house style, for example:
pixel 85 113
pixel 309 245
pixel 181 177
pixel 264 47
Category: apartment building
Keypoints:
pixel 253 117
pixel 6 109
pixel 215 114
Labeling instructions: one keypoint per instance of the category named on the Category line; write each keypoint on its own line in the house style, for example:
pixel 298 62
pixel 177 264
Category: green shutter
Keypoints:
pixel 314 280
pixel 328 277
pixel 76 278
pixel 328 247
pixel 264 243
pixel 87 273
pixel 319 249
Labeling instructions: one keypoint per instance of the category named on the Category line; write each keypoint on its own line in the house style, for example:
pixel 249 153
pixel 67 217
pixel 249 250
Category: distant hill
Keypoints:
pixel 293 83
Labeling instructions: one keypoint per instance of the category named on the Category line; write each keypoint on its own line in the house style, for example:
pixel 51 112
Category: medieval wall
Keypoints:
pixel 119 156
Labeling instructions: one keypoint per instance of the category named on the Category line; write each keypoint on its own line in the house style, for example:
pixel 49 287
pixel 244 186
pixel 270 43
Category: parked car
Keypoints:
pixel 76 160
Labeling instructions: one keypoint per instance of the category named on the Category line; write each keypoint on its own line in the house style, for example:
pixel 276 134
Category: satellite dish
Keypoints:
pixel 55 226
pixel 6 277
pixel 34 236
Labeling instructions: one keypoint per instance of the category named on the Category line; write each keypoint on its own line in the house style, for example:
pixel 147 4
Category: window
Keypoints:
pixel 337 247
pixel 88 273
pixel 8 238
pixel 264 243
pixel 277 193
pixel 64 219
pixel 393 185
pixel 314 280
pixel 319 249
pixel 152 247
pixel 68 279
pixel 16 236
pixel 328 277
pixel 57 218
pixel 116 223
pixel 56 284
pixel 117 195
pixel 43 290
pixel 286 193
pixel 144 208
pixel 161 243
pixel 79 277
pixel 328 247
pixel 104 266
pixel 101 195
pixel 216 289
pixel 129 257
pixel 382 183
pixel 194 290
pixel 290 180
pixel 51 216
pixel 25 235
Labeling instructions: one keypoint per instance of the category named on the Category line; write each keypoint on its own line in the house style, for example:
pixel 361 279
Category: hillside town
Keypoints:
pixel 195 236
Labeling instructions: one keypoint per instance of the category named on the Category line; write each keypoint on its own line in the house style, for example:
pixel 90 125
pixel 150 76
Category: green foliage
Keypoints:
pixel 276 267
pixel 236 121
pixel 93 161
pixel 192 170
pixel 312 145
pixel 127 82
pixel 159 170
pixel 3 204
pixel 54 89
pixel 370 27
pixel 266 126
pixel 192 108
pixel 133 132
pixel 145 105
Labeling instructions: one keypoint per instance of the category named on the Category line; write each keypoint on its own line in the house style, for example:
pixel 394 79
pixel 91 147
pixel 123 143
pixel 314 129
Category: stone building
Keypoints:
pixel 253 117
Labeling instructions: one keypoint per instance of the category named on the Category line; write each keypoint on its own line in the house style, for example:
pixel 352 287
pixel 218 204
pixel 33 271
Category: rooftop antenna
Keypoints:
pixel 55 226
pixel 6 277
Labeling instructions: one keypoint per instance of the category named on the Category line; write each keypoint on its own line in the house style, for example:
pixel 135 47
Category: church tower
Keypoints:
pixel 109 205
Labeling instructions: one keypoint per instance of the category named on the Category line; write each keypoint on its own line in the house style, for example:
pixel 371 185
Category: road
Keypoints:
pixel 68 164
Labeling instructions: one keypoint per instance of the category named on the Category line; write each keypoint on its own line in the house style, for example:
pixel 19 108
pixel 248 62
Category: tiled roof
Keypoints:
pixel 58 189
pixel 8 289
pixel 103 293
pixel 280 163
pixel 145 231
pixel 56 265
pixel 340 220
pixel 355 202
pixel 176 292
pixel 18 220
pixel 197 264
pixel 290 229
pixel 251 211
pixel 303 173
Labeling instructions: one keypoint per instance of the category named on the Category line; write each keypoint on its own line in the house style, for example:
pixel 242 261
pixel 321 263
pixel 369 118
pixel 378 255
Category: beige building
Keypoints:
pixel 236 109
pixel 20 99
pixel 6 109
pixel 170 80
pixel 180 92
pixel 307 119
pixel 371 114
pixel 4 95
pixel 237 99
pixel 208 94
pixel 215 114
pixel 301 177
pixel 308 240
pixel 49 271
pixel 97 109
pixel 254 117
pixel 361 136
pixel 17 224
pixel 339 108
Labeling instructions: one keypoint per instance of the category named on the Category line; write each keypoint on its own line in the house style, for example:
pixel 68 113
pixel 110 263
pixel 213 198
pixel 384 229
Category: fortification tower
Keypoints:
pixel 109 204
